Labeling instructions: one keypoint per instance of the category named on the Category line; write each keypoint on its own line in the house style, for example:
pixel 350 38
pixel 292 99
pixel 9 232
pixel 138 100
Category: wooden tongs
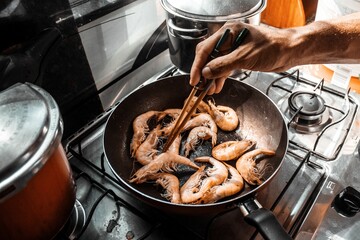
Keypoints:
pixel 204 86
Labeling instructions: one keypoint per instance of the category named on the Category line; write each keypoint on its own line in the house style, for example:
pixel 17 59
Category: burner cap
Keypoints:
pixel 74 225
pixel 313 116
pixel 312 105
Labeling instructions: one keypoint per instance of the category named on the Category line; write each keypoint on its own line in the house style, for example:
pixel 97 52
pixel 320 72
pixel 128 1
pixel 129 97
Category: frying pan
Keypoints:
pixel 260 120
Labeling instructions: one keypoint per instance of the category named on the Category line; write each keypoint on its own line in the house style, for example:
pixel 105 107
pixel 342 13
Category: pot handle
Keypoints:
pixel 263 220
pixel 184 32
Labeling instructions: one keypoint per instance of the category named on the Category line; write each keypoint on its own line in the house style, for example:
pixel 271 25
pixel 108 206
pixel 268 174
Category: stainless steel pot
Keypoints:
pixel 189 22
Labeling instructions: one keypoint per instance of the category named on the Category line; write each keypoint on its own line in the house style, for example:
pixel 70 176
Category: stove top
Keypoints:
pixel 322 162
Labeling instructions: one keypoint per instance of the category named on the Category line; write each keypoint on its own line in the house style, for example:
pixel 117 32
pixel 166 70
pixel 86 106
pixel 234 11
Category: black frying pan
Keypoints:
pixel 260 120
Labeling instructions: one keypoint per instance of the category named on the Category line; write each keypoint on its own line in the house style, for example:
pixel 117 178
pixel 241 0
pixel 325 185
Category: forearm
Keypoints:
pixel 332 41
pixel 274 50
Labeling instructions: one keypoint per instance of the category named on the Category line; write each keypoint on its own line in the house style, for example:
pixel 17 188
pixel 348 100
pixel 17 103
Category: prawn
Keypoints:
pixel 141 128
pixel 215 175
pixel 172 112
pixel 202 119
pixel 231 149
pixel 171 185
pixel 167 162
pixel 175 146
pixel 225 117
pixel 231 186
pixel 190 190
pixel 247 168
pixel 147 150
pixel 202 107
pixel 166 130
pixel 195 135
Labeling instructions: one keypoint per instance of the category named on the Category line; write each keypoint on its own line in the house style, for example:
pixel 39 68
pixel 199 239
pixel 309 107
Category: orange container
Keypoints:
pixel 42 208
pixel 37 191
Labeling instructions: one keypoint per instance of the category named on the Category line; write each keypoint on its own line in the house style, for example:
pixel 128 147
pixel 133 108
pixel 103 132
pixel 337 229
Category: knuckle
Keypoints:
pixel 199 48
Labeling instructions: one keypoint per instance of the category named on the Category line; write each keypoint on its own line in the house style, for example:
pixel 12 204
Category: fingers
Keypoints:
pixel 203 51
pixel 218 68
pixel 217 86
pixel 219 76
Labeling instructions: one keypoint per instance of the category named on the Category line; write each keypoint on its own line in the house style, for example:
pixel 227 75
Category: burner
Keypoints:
pixel 309 104
pixel 311 112
pixel 75 223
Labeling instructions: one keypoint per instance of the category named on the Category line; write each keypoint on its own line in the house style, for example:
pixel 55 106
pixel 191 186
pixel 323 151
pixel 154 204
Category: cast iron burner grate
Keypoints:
pixel 319 117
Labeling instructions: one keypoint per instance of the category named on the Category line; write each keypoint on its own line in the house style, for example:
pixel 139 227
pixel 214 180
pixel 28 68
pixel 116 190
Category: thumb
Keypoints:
pixel 218 68
pixel 206 73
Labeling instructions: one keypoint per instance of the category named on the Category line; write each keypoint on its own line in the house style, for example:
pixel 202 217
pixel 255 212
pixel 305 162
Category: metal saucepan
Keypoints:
pixel 260 120
pixel 190 22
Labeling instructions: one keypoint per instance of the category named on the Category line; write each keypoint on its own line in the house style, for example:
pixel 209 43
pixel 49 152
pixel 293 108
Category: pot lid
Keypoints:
pixel 29 124
pixel 214 10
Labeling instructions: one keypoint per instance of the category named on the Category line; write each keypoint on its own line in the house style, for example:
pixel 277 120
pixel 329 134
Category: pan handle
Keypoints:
pixel 263 220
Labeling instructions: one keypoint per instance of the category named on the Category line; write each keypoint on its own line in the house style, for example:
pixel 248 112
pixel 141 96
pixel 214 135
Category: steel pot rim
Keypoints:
pixel 214 19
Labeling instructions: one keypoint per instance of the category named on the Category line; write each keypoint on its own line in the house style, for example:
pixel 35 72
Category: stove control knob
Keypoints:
pixel 347 202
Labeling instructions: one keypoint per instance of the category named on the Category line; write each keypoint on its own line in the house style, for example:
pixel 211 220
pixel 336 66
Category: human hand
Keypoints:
pixel 260 51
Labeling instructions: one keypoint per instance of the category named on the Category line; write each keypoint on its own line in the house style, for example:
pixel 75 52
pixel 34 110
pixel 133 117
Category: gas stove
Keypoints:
pixel 314 195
